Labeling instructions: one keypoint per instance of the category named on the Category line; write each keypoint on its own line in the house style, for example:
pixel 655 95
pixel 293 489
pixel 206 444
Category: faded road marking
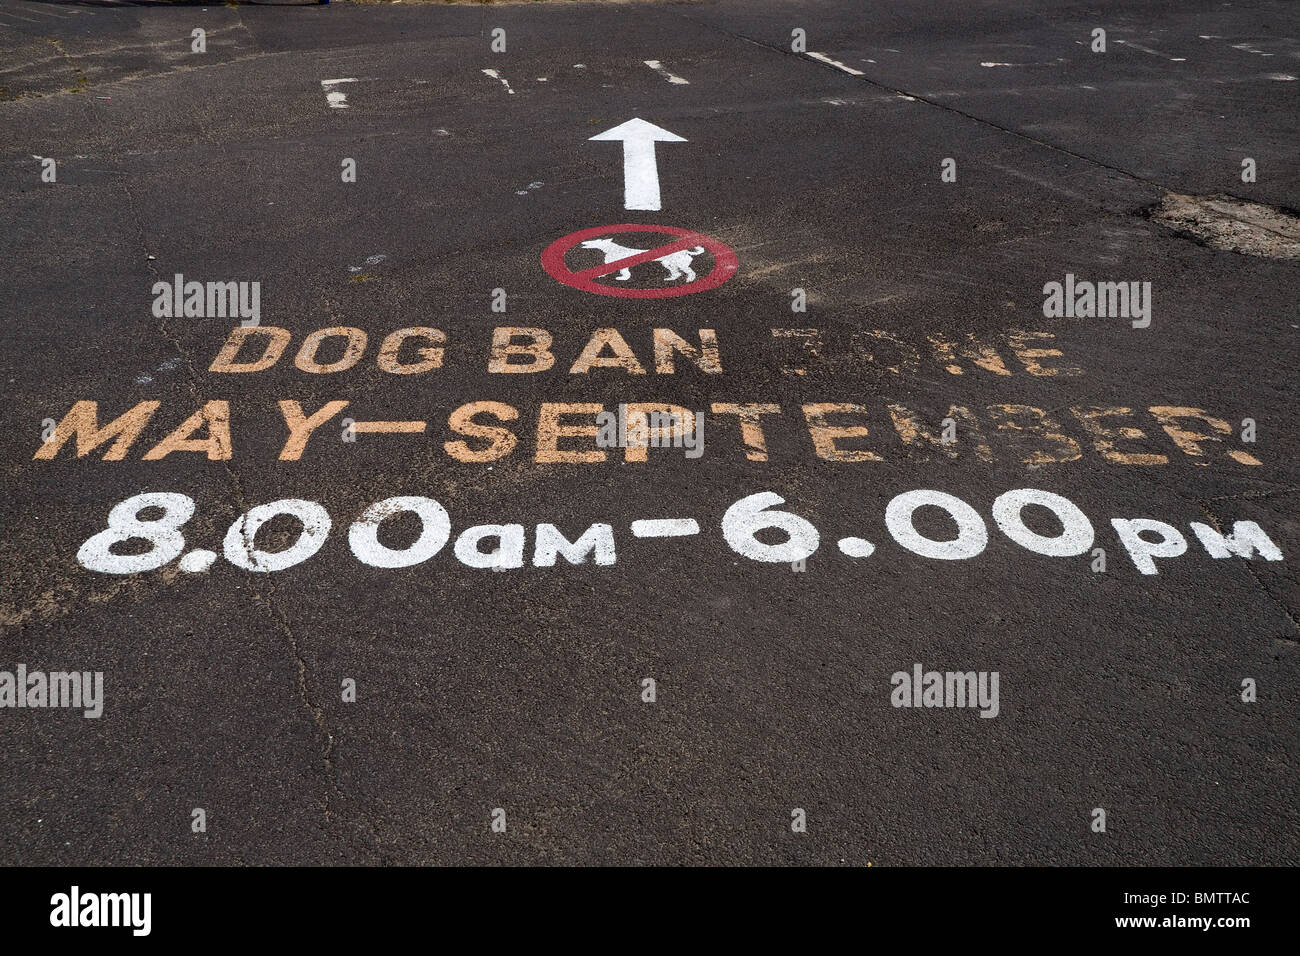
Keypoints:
pixel 497 76
pixel 991 63
pixel 337 100
pixel 197 561
pixel 1147 49
pixel 856 547
pixel 666 74
pixel 822 57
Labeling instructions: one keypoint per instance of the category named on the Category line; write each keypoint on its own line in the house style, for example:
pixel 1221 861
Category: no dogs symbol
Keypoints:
pixel 636 262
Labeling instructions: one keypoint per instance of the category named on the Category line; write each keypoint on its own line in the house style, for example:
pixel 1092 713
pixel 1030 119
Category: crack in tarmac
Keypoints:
pixel 193 382
pixel 1217 524
pixel 919 98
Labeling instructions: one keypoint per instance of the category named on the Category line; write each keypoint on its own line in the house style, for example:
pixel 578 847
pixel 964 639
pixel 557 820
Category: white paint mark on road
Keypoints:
pixel 508 554
pixel 665 73
pixel 971 538
pixel 238 545
pixel 1281 77
pixel 336 99
pixel 1244 47
pixel 435 530
pixel 370 261
pixel 497 76
pixel 665 527
pixel 640 169
pixel 95 553
pixel 1143 551
pixel 742 524
pixel 989 63
pixel 856 547
pixel 169 365
pixel 754 513
pixel 1076 535
pixel 823 58
pixel 531 187
pixel 198 561
pixel 1147 49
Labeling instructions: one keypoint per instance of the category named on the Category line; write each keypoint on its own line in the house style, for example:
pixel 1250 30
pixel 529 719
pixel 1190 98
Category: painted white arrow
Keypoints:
pixel 640 170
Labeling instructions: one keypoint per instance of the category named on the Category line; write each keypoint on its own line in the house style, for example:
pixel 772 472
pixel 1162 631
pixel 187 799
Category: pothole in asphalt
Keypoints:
pixel 1222 222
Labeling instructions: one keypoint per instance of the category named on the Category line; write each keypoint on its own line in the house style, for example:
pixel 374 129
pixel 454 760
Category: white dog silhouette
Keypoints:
pixel 677 263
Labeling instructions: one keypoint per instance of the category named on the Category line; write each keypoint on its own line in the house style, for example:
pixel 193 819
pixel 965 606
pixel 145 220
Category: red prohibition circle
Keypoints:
pixel 725 262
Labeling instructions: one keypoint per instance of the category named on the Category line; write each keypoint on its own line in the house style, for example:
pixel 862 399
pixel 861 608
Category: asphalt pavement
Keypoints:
pixel 874 201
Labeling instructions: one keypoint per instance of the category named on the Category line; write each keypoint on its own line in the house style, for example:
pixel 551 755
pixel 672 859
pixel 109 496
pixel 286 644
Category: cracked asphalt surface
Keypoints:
pixel 522 689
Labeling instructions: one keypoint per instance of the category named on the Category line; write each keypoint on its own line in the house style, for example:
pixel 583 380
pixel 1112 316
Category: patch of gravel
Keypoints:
pixel 1235 225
